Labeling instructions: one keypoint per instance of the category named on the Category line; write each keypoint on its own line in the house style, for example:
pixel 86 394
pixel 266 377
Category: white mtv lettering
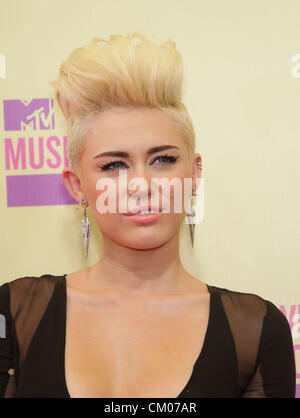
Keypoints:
pixel 2 66
pixel 33 120
pixel 47 119
pixel 30 124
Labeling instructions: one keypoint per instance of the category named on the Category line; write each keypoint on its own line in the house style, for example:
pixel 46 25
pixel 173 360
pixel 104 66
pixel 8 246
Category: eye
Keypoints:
pixel 112 165
pixel 168 159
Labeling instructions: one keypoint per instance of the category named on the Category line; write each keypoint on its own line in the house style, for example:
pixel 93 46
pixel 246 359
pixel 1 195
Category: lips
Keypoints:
pixel 143 208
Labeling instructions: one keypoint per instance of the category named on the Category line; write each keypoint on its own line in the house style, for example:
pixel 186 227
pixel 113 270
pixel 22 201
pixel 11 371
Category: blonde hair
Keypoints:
pixel 124 71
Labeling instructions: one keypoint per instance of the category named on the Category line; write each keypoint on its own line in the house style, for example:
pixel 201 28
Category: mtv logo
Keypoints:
pixel 36 114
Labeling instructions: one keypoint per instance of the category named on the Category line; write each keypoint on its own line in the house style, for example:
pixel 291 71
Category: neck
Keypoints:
pixel 144 271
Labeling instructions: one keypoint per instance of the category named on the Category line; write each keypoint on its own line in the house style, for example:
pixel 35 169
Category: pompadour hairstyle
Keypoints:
pixel 128 71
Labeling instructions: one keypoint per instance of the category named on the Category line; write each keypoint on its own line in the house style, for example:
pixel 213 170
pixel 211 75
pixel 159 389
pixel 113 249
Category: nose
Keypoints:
pixel 139 182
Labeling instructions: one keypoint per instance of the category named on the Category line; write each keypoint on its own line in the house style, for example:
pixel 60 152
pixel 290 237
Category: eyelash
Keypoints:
pixel 171 159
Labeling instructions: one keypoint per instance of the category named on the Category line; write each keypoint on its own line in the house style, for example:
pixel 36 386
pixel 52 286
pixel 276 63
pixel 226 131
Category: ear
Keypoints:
pixel 197 171
pixel 72 182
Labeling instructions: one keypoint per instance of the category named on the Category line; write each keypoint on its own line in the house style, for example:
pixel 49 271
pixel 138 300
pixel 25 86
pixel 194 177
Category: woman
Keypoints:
pixel 136 323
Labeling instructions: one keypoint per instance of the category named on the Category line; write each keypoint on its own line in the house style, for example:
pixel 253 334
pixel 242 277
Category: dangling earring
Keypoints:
pixel 191 214
pixel 86 228
pixel 191 218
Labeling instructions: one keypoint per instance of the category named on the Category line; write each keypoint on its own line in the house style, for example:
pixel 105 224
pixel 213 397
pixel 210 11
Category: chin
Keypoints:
pixel 144 242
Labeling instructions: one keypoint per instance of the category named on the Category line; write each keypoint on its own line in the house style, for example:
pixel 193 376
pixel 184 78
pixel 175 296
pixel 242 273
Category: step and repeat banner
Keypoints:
pixel 242 71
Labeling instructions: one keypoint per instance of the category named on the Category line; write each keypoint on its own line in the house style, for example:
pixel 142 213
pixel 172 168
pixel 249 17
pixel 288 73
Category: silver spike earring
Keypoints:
pixel 86 228
pixel 191 214
pixel 191 218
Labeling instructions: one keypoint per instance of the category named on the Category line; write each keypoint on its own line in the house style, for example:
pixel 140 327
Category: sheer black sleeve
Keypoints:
pixel 275 375
pixel 6 338
pixel 276 355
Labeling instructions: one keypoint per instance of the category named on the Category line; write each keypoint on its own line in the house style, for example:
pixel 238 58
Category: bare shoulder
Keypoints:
pixel 77 279
pixel 194 285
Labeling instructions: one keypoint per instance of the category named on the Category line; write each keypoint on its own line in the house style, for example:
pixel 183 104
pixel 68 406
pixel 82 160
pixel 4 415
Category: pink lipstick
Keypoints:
pixel 144 214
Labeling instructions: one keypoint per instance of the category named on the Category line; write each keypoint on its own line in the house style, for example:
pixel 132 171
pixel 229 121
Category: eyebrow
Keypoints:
pixel 126 155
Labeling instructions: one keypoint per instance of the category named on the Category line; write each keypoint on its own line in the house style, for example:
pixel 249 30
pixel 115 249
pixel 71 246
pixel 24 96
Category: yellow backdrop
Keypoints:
pixel 242 69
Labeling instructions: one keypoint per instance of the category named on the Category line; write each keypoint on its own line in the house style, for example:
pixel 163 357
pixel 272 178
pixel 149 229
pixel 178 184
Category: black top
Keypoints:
pixel 247 350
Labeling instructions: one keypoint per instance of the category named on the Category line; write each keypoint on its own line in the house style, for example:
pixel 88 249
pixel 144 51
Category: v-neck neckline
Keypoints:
pixel 196 363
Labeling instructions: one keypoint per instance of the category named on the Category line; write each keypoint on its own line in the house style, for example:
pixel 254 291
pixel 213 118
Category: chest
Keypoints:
pixel 133 350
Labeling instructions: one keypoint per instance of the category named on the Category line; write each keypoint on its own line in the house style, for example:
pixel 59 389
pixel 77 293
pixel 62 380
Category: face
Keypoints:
pixel 129 148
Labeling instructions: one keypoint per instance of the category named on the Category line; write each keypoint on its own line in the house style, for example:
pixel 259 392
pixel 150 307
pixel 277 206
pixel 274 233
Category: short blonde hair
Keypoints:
pixel 127 71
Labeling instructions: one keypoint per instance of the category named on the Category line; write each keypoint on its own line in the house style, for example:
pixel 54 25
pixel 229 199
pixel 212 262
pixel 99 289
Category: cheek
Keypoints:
pixel 177 195
pixel 101 193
